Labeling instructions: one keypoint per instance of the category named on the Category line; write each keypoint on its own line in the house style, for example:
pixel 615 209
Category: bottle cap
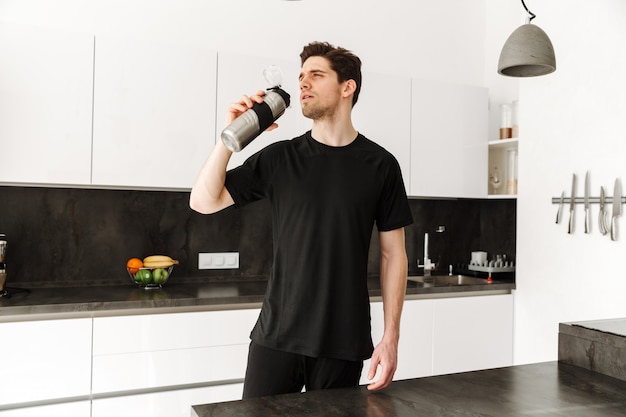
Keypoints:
pixel 273 75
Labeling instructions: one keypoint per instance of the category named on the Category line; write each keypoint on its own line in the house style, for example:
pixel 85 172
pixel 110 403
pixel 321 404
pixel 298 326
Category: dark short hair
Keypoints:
pixel 346 64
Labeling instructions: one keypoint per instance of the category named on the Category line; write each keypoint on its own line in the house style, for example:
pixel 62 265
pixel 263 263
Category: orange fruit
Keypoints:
pixel 133 265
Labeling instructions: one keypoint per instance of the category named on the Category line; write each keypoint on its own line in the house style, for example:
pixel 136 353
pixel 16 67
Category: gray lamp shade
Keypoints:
pixel 528 52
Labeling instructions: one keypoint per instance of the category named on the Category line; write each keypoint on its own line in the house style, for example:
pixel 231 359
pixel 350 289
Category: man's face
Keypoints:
pixel 320 92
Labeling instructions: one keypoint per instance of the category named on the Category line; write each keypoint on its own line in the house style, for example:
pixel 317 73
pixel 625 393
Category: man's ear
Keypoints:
pixel 349 88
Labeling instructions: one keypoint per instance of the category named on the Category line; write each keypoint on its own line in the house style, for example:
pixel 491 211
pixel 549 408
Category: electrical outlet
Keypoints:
pixel 218 260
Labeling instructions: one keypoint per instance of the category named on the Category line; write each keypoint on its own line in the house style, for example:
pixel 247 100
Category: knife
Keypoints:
pixel 617 207
pixel 586 200
pixel 572 206
pixel 558 213
pixel 602 215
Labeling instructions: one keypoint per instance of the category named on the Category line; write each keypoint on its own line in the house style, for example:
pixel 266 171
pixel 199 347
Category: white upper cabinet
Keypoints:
pixel 383 114
pixel 154 113
pixel 126 113
pixel 449 126
pixel 45 105
pixel 242 74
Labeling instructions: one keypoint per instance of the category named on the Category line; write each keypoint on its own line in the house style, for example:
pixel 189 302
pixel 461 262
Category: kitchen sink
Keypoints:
pixel 448 280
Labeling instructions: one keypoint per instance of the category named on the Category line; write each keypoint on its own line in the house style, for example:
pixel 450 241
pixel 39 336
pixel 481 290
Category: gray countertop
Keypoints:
pixel 213 294
pixel 613 326
pixel 545 389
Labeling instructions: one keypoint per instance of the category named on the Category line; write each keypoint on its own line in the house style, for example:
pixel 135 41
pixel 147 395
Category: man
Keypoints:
pixel 327 189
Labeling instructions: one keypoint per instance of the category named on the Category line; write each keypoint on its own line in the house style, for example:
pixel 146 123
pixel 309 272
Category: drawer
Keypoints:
pixel 141 370
pixel 154 332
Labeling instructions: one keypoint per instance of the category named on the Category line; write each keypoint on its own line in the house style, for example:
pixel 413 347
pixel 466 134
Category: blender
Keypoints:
pixel 3 270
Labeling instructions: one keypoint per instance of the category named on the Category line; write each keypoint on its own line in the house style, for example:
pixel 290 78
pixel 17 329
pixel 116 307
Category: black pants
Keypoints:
pixel 272 372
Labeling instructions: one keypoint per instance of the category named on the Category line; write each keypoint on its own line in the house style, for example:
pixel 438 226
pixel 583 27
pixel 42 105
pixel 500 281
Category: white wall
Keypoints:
pixel 570 122
pixel 440 40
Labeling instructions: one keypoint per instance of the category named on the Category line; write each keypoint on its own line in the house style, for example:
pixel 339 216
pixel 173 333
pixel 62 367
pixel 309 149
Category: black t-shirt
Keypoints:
pixel 325 201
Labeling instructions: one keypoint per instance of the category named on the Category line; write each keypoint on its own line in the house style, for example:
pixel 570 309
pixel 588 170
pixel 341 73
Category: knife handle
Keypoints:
pixel 614 228
pixel 570 227
pixel 602 222
pixel 587 221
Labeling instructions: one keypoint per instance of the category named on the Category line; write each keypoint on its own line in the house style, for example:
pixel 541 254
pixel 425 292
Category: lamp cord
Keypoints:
pixel 532 15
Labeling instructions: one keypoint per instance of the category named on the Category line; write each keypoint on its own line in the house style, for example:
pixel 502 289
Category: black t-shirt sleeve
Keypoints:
pixel 243 186
pixel 393 209
pixel 250 181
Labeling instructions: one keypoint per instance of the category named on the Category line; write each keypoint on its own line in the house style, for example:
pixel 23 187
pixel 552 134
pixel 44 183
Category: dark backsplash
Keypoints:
pixel 73 237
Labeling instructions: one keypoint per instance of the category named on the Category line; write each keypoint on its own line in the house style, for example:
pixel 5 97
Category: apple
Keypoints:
pixel 160 275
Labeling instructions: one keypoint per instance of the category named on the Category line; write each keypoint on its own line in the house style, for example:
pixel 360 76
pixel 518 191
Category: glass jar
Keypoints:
pixel 506 121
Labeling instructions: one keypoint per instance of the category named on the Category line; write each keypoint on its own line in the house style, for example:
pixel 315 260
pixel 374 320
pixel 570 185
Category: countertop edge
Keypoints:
pixel 195 298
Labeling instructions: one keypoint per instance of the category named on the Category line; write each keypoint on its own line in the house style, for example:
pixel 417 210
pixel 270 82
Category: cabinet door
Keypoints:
pixel 472 333
pixel 147 370
pixel 150 351
pixel 154 113
pixel 448 140
pixel 383 114
pixel 242 74
pixel 176 403
pixel 45 360
pixel 415 346
pixel 46 80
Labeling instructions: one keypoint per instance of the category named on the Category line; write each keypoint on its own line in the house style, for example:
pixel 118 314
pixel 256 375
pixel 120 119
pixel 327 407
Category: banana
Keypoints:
pixel 158 261
pixel 158 264
pixel 159 258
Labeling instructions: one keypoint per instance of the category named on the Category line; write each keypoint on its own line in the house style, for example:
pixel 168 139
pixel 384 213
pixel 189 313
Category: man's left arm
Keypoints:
pixel 393 276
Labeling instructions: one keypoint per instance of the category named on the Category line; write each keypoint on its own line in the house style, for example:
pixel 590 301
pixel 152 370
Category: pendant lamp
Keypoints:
pixel 528 52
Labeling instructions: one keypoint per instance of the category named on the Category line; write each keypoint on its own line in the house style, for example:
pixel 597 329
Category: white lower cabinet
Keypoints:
pixel 164 404
pixel 448 335
pixel 165 354
pixel 472 333
pixel 161 364
pixel 415 346
pixel 46 360
pixel 145 370
pixel 70 409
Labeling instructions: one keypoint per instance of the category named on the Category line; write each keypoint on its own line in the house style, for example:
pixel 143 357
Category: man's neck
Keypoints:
pixel 334 132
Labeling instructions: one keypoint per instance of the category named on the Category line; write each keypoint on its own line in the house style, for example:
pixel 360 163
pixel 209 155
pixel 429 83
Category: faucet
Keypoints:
pixel 428 265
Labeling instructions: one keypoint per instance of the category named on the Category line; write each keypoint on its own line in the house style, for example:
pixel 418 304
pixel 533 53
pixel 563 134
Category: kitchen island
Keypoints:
pixel 544 389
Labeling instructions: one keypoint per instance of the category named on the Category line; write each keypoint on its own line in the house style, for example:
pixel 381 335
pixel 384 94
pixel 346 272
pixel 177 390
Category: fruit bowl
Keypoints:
pixel 150 277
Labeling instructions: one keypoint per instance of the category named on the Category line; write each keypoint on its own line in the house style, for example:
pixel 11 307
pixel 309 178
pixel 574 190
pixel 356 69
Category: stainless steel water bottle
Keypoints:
pixel 245 128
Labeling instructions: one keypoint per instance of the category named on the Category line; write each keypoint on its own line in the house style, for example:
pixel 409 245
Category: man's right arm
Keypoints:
pixel 209 195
